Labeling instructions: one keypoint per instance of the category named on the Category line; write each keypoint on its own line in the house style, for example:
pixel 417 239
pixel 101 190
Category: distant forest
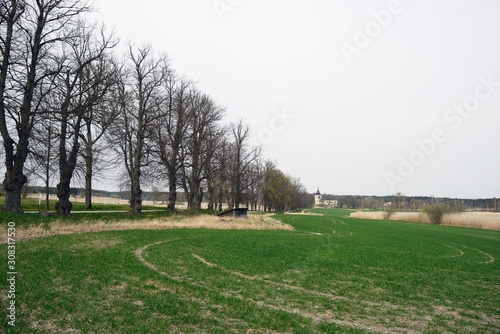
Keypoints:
pixel 412 203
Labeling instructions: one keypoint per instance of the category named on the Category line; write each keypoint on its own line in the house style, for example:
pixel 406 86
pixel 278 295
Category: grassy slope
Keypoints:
pixel 357 276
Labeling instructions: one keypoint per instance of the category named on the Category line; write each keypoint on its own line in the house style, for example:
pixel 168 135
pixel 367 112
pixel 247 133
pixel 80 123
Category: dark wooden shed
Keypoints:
pixel 235 213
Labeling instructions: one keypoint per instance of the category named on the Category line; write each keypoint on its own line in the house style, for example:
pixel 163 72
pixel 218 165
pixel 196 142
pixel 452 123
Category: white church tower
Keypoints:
pixel 318 198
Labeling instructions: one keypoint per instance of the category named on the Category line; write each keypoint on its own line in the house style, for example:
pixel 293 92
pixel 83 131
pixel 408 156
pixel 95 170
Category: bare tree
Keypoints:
pixel 30 34
pixel 141 96
pixel 262 175
pixel 219 173
pixel 213 167
pixel 43 150
pixel 243 158
pixel 80 89
pixel 205 116
pixel 170 132
pixel 97 119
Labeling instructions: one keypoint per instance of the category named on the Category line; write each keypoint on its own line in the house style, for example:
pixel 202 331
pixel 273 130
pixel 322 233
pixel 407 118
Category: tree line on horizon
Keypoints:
pixel 69 106
pixel 402 202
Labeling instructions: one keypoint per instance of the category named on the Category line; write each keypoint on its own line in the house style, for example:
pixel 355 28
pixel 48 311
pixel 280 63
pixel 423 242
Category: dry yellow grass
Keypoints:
pixel 419 217
pixel 304 213
pixel 484 220
pixel 203 221
pixel 368 214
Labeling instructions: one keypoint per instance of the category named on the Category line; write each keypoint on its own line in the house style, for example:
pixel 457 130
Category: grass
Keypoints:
pixel 331 274
pixel 30 204
pixel 62 226
pixel 484 220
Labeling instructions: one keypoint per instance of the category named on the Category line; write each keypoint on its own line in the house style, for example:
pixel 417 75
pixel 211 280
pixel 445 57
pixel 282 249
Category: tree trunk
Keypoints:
pixel 88 191
pixel 190 200
pixel 47 195
pixel 211 195
pixel 14 163
pixel 172 190
pixel 64 206
pixel 136 196
pixel 66 166
pixel 237 190
pixel 13 194
pixel 89 160
pixel 219 198
pixel 88 180
pixel 199 198
pixel 47 169
pixel 14 177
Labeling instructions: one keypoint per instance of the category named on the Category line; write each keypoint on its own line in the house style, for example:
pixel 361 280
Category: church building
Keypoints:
pixel 319 201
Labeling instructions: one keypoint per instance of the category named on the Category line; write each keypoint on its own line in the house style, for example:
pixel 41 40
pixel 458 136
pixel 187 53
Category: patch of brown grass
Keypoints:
pixel 303 213
pixel 203 221
pixel 418 217
pixel 484 220
pixel 368 215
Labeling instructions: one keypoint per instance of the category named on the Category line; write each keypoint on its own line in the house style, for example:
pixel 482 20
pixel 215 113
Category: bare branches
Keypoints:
pixel 243 157
pixel 30 32
pixel 142 95
pixel 58 78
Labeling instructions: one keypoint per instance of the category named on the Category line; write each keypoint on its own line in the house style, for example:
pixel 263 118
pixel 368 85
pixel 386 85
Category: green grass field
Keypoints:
pixel 332 274
pixel 31 204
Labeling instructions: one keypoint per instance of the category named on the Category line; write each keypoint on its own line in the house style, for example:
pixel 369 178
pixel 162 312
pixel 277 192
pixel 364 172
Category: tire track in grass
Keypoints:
pixel 342 236
pixel 138 253
pixel 293 287
pixel 491 260
pixel 258 278
pixel 372 326
pixel 491 257
pixel 461 252
pixel 317 318
pixel 335 232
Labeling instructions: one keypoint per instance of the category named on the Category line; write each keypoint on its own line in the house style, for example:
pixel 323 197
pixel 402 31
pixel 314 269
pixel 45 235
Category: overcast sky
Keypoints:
pixel 356 97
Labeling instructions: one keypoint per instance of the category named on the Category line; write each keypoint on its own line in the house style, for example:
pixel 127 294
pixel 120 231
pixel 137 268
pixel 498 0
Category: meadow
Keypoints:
pixel 331 273
pixel 33 205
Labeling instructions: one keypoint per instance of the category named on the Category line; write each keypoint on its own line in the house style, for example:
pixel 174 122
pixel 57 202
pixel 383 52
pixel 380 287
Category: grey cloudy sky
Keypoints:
pixel 356 97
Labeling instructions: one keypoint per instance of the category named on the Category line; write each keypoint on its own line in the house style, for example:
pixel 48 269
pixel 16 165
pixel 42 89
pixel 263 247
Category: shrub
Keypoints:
pixel 389 211
pixel 435 212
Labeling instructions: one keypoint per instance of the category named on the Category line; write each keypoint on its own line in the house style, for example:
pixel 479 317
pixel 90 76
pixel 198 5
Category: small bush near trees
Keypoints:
pixel 389 211
pixel 435 212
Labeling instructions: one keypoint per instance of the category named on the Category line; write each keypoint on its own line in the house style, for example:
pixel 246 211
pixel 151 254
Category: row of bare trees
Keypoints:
pixel 47 53
pixel 69 106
